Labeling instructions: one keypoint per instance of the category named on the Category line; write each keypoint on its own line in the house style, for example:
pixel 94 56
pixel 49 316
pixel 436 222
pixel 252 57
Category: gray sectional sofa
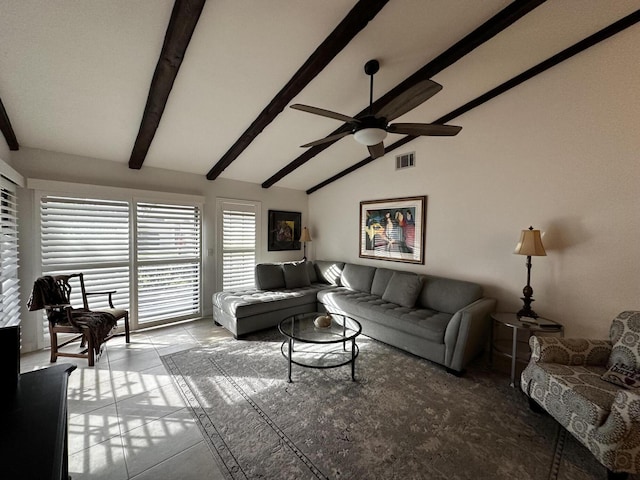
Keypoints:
pixel 443 320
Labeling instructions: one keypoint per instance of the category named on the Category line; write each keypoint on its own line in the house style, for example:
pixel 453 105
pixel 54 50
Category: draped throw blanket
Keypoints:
pixel 47 293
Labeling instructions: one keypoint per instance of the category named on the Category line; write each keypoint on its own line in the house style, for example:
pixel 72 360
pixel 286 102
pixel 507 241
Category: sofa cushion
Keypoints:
pixel 357 277
pixel 381 280
pixel 625 338
pixel 447 295
pixel 420 323
pixel 403 289
pixel 329 272
pixel 311 271
pixel 269 276
pixel 296 275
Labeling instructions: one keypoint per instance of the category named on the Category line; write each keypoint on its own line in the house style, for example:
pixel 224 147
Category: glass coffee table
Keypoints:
pixel 320 347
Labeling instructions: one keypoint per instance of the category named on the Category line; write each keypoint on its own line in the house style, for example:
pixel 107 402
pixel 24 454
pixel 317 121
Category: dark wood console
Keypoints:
pixel 33 429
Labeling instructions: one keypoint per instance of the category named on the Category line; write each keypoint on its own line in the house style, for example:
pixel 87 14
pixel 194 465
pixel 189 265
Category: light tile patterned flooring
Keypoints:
pixel 127 420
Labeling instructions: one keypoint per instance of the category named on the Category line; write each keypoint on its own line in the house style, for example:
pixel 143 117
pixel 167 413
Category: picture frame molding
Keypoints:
pixel 275 245
pixel 414 253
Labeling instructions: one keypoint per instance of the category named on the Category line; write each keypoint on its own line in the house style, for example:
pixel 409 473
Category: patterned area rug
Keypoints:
pixel 403 417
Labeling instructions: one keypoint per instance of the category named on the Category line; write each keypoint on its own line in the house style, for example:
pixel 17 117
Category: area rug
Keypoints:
pixel 403 418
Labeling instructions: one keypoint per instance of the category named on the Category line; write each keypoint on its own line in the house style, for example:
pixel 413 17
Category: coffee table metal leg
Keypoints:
pixel 290 352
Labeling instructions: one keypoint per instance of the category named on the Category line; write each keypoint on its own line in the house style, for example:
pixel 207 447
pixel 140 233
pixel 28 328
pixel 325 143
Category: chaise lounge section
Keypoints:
pixel 443 320
pixel 283 289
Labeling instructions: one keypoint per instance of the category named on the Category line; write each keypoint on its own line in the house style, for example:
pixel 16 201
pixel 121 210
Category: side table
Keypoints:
pixel 509 348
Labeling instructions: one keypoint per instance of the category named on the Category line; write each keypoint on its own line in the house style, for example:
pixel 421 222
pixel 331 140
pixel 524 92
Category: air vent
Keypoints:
pixel 405 161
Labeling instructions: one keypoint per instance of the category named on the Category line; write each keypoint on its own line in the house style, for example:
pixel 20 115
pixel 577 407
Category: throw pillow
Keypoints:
pixel 269 276
pixel 329 272
pixel 311 270
pixel 296 275
pixel 403 289
pixel 623 376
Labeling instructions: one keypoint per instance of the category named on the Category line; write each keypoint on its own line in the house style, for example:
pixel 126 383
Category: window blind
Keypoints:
pixel 9 284
pixel 89 236
pixel 169 258
pixel 238 249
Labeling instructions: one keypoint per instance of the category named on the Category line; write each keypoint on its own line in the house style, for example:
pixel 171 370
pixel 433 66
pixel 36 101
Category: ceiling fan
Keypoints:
pixel 372 129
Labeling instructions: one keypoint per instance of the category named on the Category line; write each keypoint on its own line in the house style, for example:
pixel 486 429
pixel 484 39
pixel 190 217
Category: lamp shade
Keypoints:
pixel 370 136
pixel 530 244
pixel 305 236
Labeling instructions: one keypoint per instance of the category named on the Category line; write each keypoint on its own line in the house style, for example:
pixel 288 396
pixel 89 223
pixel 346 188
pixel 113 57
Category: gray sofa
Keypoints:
pixel 443 320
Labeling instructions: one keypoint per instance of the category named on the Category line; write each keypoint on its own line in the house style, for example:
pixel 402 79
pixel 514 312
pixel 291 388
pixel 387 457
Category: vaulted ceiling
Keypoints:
pixel 204 87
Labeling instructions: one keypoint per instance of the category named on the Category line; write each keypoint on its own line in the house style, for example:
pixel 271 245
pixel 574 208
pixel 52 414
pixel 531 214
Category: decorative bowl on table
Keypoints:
pixel 322 321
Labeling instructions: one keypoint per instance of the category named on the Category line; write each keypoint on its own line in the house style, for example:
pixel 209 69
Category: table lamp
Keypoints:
pixel 530 245
pixel 304 238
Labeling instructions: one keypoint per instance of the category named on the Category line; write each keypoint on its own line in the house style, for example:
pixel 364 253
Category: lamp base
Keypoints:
pixel 526 310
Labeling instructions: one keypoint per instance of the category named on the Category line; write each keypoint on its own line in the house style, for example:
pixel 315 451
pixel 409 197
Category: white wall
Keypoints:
pixel 559 152
pixel 40 164
pixel 5 153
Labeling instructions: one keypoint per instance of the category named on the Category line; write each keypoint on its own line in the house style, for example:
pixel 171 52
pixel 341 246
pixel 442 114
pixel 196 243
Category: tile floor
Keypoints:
pixel 126 418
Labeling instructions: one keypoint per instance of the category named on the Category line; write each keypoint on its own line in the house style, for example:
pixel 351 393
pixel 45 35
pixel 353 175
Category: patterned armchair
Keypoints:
pixel 564 377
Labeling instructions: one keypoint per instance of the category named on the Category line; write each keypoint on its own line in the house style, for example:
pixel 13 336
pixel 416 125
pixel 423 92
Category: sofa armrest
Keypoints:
pixel 569 351
pixel 467 333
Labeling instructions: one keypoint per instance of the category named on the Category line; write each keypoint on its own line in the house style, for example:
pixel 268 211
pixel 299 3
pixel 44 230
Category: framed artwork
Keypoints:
pixel 393 229
pixel 284 230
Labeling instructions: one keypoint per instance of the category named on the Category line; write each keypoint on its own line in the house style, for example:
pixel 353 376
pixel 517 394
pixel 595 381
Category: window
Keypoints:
pixel 9 285
pixel 91 236
pixel 148 251
pixel 168 247
pixel 240 221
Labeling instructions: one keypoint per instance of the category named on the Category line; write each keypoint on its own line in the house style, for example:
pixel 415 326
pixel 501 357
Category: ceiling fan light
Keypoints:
pixel 370 136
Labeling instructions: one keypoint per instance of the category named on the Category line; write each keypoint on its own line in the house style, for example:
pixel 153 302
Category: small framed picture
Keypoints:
pixel 284 230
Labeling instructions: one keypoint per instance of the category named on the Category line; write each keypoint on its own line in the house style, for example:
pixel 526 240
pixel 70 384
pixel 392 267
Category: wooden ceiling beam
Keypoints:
pixel 7 129
pixel 543 66
pixel 496 24
pixel 358 18
pixel 184 18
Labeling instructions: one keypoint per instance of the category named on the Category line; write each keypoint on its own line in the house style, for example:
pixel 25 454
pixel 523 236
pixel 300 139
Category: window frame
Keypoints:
pixel 256 206
pixel 133 196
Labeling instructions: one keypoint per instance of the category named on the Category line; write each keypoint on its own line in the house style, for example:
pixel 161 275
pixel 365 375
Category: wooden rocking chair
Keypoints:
pixel 94 327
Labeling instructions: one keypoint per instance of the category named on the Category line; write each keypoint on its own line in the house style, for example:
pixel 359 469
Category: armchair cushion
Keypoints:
pixel 625 338
pixel 569 351
pixel 572 391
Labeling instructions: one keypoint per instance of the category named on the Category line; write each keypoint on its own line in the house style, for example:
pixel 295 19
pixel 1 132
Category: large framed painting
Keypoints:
pixel 284 230
pixel 393 229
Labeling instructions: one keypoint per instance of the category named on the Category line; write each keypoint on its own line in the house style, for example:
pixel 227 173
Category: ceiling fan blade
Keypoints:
pixel 330 138
pixel 376 151
pixel 409 99
pixel 425 129
pixel 324 113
